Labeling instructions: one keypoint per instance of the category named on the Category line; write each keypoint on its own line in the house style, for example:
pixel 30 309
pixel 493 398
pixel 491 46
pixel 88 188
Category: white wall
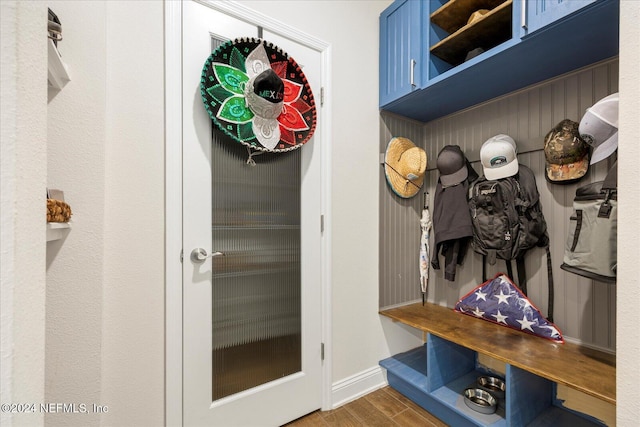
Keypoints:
pixel 76 165
pixel 628 337
pixel 23 160
pixel 133 294
pixel 105 280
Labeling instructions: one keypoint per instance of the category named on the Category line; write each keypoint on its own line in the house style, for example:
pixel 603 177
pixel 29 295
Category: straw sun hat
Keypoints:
pixel 404 166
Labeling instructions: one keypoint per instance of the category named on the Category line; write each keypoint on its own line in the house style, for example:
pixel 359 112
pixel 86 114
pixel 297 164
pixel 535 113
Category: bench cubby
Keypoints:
pixel 436 374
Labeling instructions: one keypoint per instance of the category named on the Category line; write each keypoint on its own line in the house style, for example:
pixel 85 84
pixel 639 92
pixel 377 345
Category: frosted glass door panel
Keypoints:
pixel 256 285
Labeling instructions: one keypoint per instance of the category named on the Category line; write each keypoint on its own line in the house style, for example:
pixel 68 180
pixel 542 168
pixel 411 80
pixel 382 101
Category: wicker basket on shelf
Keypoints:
pixel 58 211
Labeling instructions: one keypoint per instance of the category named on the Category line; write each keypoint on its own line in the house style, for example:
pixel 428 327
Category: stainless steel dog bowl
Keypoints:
pixel 480 400
pixel 496 386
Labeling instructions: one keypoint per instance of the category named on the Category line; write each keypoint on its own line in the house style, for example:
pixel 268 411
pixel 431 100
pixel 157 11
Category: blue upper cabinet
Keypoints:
pixel 441 56
pixel 401 43
pixel 540 13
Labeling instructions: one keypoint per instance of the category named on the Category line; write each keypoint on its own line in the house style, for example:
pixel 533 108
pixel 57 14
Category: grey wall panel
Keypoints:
pixel 399 227
pixel 584 309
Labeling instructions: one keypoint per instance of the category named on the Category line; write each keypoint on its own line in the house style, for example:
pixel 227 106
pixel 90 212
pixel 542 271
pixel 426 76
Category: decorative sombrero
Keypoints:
pixel 258 95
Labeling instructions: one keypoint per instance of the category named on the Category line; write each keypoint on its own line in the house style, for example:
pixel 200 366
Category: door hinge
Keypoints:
pixel 321 96
pixel 322 351
pixel 322 223
pixel 181 255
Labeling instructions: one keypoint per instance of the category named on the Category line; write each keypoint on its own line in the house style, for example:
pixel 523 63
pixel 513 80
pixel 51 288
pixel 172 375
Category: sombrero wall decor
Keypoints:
pixel 258 95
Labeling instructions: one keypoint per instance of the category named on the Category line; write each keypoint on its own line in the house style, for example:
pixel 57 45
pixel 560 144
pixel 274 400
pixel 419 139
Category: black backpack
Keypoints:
pixel 507 221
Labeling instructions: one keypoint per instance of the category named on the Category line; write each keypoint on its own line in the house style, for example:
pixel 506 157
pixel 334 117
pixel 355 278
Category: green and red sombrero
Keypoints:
pixel 258 95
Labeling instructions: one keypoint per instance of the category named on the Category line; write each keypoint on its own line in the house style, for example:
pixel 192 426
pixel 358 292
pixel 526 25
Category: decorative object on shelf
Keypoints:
pixel 404 166
pixel 57 209
pixel 501 302
pixel 468 27
pixel 54 28
pixel 566 153
pixel 57 74
pixel 599 127
pixel 480 400
pixel 477 15
pixel 473 53
pixel 258 95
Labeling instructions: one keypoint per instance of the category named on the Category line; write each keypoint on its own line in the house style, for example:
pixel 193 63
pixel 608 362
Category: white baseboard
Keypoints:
pixel 355 386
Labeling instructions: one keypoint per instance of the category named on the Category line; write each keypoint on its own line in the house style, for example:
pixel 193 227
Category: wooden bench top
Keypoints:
pixel 587 370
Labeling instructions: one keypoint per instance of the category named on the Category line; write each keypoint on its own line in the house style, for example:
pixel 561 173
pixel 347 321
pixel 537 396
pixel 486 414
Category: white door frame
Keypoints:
pixel 173 192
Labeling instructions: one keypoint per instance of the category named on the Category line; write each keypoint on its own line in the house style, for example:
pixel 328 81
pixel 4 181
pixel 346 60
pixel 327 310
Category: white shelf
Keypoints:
pixel 57 230
pixel 57 74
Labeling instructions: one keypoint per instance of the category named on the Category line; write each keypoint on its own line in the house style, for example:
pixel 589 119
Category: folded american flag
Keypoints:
pixel 500 301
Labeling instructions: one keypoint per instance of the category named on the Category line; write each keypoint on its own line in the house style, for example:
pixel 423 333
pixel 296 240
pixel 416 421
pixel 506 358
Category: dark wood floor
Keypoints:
pixel 383 407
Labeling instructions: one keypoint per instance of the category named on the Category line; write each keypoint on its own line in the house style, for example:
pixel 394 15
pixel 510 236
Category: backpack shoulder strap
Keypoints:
pixel 522 274
pixel 611 181
pixel 527 186
pixel 550 279
pixel 522 281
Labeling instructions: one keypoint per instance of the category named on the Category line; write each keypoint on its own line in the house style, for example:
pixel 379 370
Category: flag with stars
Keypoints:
pixel 500 301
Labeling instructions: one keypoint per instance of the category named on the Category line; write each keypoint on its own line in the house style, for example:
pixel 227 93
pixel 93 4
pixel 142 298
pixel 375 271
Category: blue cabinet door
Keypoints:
pixel 540 13
pixel 400 50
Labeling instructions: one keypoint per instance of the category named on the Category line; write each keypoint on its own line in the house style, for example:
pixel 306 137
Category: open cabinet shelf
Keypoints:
pixel 57 230
pixel 489 31
pixel 426 71
pixel 454 14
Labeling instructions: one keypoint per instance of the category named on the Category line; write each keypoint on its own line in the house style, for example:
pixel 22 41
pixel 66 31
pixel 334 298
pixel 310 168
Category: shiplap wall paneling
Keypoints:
pixel 583 309
pixel 399 224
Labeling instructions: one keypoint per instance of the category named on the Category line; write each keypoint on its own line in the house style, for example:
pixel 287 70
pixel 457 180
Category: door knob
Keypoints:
pixel 199 255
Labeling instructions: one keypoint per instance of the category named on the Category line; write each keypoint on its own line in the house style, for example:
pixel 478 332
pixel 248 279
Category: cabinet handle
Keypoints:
pixel 412 65
pixel 523 14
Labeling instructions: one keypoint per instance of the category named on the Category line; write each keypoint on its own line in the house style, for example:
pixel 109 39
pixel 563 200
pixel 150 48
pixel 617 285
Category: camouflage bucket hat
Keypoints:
pixel 566 153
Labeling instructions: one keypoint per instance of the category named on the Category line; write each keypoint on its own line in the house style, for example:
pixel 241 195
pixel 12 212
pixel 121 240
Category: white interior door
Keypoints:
pixel 251 318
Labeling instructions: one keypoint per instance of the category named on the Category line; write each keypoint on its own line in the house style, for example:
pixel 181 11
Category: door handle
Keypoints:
pixel 200 255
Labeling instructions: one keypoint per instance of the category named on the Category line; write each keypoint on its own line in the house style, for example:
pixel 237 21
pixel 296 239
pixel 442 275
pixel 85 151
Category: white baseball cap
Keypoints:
pixel 599 127
pixel 498 157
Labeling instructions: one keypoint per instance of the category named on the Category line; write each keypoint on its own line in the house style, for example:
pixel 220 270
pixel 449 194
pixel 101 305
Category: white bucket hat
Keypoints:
pixel 498 157
pixel 599 127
